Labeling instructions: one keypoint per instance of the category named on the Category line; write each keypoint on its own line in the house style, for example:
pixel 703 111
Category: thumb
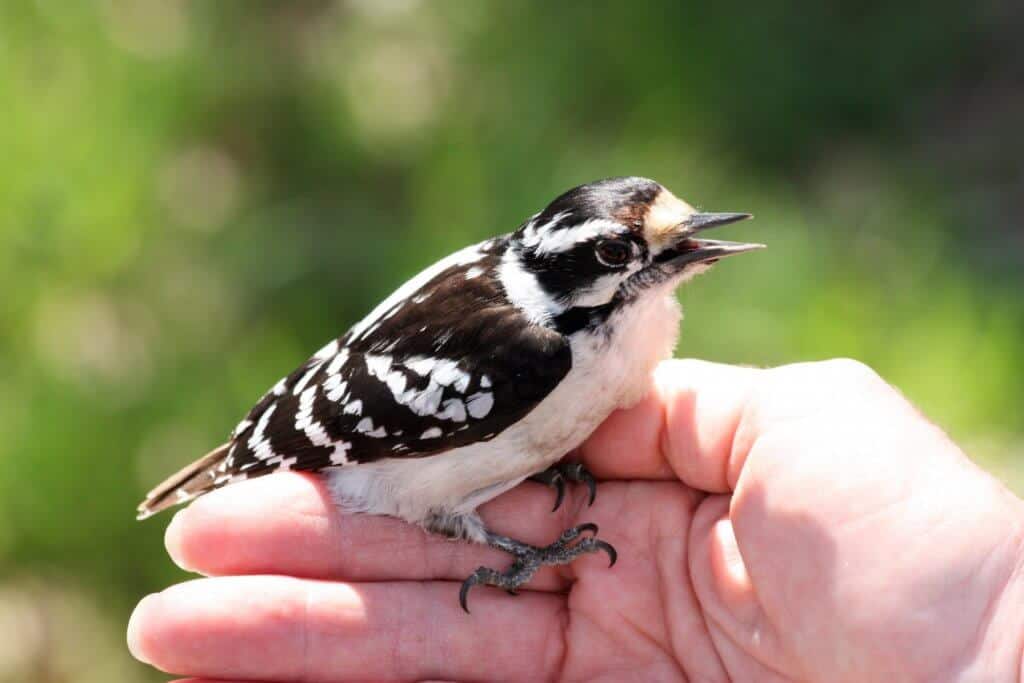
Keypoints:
pixel 684 429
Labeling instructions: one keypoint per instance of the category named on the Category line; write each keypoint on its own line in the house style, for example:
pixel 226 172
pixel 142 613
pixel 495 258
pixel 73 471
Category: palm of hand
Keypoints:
pixel 824 551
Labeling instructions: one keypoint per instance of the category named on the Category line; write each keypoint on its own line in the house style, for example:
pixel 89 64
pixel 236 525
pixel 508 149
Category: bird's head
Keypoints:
pixel 615 239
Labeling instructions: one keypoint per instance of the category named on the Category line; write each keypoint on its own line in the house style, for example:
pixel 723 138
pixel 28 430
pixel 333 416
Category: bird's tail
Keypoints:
pixel 191 482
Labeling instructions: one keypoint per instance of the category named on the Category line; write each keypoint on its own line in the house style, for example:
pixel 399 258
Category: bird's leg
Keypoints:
pixel 527 559
pixel 556 476
pixel 530 558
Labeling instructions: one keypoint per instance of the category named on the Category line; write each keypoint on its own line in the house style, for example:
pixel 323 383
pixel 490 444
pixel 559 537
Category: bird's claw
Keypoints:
pixel 570 534
pixel 530 558
pixel 613 556
pixel 556 476
pixel 552 477
pixel 559 492
pixel 511 580
pixel 581 474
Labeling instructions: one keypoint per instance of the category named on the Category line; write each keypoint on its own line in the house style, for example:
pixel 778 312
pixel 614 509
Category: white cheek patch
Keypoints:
pixel 525 292
pixel 601 290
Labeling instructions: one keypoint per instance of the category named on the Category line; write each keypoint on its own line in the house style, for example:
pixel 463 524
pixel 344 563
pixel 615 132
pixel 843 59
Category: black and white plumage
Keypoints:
pixel 484 369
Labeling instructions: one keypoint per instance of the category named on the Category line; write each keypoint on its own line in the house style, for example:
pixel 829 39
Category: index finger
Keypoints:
pixel 683 429
pixel 290 629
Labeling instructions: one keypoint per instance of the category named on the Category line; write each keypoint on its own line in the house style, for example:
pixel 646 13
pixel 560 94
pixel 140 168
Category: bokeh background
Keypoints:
pixel 195 196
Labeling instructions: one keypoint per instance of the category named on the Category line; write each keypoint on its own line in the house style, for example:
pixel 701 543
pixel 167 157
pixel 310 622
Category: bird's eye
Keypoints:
pixel 613 252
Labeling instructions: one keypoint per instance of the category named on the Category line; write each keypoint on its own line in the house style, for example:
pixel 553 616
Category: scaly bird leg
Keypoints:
pixel 530 558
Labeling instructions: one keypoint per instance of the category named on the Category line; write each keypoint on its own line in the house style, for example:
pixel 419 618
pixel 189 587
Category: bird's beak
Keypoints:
pixel 691 250
pixel 696 222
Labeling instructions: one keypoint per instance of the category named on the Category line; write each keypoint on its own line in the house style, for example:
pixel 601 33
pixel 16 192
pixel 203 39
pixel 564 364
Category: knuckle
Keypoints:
pixel 849 372
pixel 809 388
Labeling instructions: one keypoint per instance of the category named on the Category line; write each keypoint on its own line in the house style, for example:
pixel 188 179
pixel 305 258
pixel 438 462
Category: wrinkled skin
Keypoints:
pixel 803 523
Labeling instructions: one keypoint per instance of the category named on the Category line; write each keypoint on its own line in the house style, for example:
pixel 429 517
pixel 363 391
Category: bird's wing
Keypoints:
pixel 445 362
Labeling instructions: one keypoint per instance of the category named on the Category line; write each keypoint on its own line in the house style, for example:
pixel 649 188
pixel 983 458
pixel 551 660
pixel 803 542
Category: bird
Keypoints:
pixel 485 369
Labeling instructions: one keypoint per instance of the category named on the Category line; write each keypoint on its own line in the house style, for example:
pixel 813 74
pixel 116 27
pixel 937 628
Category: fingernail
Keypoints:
pixel 173 541
pixel 135 628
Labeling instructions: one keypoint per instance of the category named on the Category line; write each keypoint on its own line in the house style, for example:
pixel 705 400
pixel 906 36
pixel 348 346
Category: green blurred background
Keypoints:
pixel 195 196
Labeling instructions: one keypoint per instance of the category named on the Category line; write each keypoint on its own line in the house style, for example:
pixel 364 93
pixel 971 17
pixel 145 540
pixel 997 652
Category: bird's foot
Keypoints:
pixel 530 558
pixel 556 476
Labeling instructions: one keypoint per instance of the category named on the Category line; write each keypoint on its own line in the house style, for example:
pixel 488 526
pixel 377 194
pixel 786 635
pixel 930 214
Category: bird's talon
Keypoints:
pixel 470 581
pixel 552 477
pixel 557 475
pixel 559 493
pixel 613 556
pixel 591 487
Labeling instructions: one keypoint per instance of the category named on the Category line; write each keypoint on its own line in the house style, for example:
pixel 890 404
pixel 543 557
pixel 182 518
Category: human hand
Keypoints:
pixel 798 523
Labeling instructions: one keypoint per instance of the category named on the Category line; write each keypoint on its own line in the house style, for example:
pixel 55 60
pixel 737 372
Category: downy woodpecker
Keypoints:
pixel 482 371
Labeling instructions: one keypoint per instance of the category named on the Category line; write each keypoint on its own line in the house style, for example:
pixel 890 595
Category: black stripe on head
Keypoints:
pixel 612 198
pixel 562 273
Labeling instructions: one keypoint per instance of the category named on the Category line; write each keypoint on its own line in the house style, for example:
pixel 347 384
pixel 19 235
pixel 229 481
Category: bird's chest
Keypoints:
pixel 611 369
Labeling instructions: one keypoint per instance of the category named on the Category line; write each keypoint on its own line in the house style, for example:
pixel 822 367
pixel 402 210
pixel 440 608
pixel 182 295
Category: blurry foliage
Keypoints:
pixel 197 195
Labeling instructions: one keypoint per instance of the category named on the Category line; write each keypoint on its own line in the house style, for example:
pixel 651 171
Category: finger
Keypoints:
pixel 280 628
pixel 222 680
pixel 719 574
pixel 683 429
pixel 286 524
pixel 735 618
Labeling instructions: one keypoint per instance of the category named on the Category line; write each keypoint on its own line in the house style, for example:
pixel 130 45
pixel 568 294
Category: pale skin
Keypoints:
pixel 803 523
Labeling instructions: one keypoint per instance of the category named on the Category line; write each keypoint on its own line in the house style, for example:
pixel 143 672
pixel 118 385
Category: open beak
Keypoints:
pixel 702 221
pixel 691 250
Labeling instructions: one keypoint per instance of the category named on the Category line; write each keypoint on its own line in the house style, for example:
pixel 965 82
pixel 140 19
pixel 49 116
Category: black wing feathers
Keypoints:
pixel 452 364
